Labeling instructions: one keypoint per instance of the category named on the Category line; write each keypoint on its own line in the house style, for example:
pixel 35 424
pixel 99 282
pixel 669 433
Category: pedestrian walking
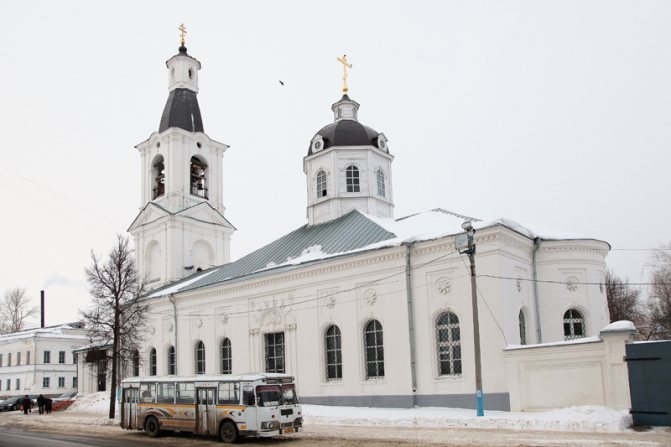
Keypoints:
pixel 26 403
pixel 40 404
pixel 47 404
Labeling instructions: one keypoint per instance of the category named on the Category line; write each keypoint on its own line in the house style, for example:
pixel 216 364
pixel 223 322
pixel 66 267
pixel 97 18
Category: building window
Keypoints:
pixel 152 362
pixel 574 325
pixel 27 358
pixel 200 357
pixel 226 356
pixel 61 382
pixel 333 353
pixel 198 177
pixel 18 384
pixel 135 359
pixel 171 361
pixel 321 184
pixel 158 175
pixel 18 359
pixel 0 385
pixel 0 360
pixel 9 359
pixel 47 356
pixel 448 342
pixel 373 349
pixel 274 352
pixel 352 179
pixel 74 382
pixel 61 356
pixel 380 183
pixel 523 328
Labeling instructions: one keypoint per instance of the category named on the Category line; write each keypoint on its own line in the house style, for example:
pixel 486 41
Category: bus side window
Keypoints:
pixel 248 396
pixel 186 393
pixel 228 393
pixel 147 393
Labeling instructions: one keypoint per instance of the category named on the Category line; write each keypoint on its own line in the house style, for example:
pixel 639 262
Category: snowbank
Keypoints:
pixel 573 419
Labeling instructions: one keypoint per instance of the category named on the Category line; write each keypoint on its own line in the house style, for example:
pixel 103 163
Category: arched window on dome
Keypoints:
pixel 200 357
pixel 321 184
pixel 523 327
pixel 152 362
pixel 352 179
pixel 158 177
pixel 380 183
pixel 448 342
pixel 574 324
pixel 198 172
pixel 226 357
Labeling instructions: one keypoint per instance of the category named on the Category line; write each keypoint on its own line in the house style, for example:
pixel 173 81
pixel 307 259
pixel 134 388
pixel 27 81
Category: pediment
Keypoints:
pixel 150 213
pixel 204 212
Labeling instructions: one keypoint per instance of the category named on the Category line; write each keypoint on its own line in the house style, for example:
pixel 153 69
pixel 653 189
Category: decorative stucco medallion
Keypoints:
pixel 152 330
pixel 199 322
pixel 330 301
pixel 444 286
pixel 171 327
pixel 224 318
pixel 572 283
pixel 518 284
pixel 370 296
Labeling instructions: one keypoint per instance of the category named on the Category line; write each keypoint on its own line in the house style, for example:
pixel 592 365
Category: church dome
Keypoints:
pixel 346 130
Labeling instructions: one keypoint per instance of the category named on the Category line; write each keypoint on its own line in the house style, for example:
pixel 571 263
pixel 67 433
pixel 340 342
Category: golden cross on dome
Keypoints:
pixel 345 66
pixel 182 32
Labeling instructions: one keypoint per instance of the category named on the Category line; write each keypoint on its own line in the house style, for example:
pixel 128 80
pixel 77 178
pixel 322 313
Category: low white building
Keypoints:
pixel 40 361
pixel 363 308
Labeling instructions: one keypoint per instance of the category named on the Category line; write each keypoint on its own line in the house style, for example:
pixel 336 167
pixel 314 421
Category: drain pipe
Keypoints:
pixel 171 297
pixel 534 269
pixel 411 319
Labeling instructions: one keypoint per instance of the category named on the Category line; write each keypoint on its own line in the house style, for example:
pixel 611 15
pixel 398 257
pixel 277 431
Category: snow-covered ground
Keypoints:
pixel 574 419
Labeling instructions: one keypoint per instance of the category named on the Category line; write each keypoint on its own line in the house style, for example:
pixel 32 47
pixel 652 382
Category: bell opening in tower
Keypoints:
pixel 158 175
pixel 198 177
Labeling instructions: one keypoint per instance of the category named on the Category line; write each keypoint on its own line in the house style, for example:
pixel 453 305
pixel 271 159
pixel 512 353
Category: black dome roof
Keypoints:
pixel 181 110
pixel 347 133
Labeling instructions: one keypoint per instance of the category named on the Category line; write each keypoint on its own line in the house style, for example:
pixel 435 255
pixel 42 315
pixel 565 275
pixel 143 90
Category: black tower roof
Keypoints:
pixel 182 111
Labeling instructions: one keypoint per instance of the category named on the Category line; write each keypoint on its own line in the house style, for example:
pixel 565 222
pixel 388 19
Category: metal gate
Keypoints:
pixel 650 382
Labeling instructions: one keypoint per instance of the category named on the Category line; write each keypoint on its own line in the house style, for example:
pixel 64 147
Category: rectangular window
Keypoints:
pixel 18 359
pixel 229 393
pixel 74 382
pixel 274 352
pixel 18 384
pixel 61 357
pixel 9 359
pixel 27 357
pixel 147 393
pixel 166 393
pixel 9 384
pixel 0 360
pixel 45 382
pixel 186 393
pixel 47 356
pixel 61 382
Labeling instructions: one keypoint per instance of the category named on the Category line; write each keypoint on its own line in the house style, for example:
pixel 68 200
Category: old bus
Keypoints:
pixel 254 404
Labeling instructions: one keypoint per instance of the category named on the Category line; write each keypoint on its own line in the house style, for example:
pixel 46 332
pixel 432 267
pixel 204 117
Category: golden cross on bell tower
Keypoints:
pixel 182 33
pixel 345 66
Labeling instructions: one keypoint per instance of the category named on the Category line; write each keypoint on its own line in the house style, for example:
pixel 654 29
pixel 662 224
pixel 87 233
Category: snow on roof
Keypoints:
pixel 622 325
pixel 176 287
pixel 577 341
pixel 63 331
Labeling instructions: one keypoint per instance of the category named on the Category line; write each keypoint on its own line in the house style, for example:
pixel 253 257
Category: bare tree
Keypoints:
pixel 15 310
pixel 623 300
pixel 659 299
pixel 116 317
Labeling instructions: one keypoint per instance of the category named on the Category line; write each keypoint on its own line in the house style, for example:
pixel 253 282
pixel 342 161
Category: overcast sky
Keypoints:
pixel 549 113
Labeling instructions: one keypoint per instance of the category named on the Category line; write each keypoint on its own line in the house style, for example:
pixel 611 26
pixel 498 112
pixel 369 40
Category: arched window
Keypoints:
pixel 152 362
pixel 226 356
pixel 574 324
pixel 333 353
pixel 380 183
pixel 448 342
pixel 172 366
pixel 373 349
pixel 198 172
pixel 523 327
pixel 158 177
pixel 135 359
pixel 200 357
pixel 190 73
pixel 321 184
pixel 352 179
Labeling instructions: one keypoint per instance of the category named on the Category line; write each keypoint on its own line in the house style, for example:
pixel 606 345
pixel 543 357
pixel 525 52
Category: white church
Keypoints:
pixel 364 308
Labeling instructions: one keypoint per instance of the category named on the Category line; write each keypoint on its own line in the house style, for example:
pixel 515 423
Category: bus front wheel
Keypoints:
pixel 151 426
pixel 228 432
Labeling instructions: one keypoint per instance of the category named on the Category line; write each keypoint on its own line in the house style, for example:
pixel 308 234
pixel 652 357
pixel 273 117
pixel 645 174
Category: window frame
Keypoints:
pixel 353 179
pixel 571 320
pixel 274 352
pixel 381 185
pixel 333 353
pixel 199 357
pixel 225 356
pixel 152 362
pixel 449 353
pixel 172 361
pixel 321 181
pixel 522 323
pixel 373 353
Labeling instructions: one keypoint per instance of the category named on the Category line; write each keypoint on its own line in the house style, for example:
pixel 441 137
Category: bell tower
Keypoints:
pixel 181 226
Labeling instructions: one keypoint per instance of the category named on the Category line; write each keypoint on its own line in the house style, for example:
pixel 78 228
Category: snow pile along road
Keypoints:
pixel 573 419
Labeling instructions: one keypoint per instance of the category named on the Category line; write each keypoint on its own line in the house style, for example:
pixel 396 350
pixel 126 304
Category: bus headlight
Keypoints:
pixel 270 425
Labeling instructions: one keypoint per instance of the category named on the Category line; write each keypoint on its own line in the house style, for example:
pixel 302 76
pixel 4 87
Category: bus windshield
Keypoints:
pixel 289 394
pixel 268 395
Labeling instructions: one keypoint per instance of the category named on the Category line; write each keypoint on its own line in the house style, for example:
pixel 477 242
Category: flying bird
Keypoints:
pixel 281 82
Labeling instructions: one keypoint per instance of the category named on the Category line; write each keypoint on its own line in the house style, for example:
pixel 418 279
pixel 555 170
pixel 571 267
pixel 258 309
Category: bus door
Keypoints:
pixel 249 401
pixel 206 412
pixel 129 411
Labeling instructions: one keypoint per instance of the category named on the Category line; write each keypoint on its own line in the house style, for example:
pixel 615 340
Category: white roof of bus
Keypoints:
pixel 208 378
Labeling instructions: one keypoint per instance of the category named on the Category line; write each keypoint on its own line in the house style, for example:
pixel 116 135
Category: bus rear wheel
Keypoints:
pixel 228 432
pixel 151 427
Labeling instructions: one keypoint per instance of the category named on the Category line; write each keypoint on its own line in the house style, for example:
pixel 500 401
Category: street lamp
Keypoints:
pixel 465 244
